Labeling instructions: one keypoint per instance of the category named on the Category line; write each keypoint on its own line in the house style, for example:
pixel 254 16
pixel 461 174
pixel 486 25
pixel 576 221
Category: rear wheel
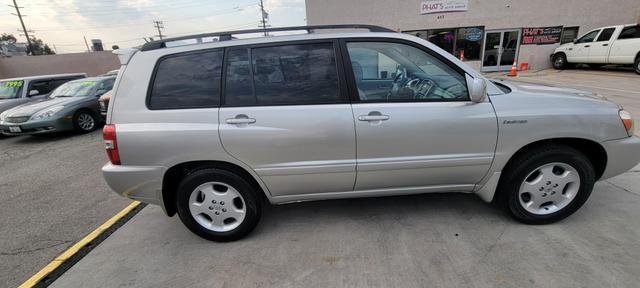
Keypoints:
pixel 546 184
pixel 636 65
pixel 218 205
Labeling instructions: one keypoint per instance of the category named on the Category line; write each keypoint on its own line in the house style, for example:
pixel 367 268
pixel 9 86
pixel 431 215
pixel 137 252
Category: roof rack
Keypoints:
pixel 227 35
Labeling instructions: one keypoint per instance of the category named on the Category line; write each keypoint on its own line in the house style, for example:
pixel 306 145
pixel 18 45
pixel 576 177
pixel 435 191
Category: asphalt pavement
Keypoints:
pixel 52 194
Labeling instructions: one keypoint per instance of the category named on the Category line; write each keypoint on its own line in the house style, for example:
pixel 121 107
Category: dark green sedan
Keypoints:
pixel 72 106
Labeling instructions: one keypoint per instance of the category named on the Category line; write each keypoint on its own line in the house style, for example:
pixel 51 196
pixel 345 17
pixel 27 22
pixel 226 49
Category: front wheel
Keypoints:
pixel 85 121
pixel 218 205
pixel 636 65
pixel 560 61
pixel 546 184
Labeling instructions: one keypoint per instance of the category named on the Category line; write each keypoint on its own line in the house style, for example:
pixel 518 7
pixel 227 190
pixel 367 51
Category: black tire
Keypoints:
pixel 636 65
pixel 252 203
pixel 524 164
pixel 80 127
pixel 559 61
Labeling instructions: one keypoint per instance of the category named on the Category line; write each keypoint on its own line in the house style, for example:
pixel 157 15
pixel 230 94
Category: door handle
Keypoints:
pixel 587 46
pixel 241 119
pixel 373 117
pixel 606 44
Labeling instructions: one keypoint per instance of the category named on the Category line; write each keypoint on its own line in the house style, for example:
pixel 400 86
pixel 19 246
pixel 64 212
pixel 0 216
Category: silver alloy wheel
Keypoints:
pixel 549 188
pixel 86 122
pixel 217 206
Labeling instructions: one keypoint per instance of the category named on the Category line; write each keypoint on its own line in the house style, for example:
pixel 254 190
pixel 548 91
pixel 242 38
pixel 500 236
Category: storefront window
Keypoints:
pixel 466 41
pixel 569 34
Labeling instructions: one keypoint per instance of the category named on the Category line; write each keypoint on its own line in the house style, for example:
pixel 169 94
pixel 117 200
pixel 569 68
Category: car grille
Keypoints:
pixel 21 119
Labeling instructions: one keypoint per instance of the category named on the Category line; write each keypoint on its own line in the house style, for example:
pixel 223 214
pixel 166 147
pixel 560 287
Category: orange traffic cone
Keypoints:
pixel 514 70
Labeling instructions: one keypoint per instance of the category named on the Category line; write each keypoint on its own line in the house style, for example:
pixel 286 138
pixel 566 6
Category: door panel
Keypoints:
pixel 283 127
pixel 295 149
pixel 424 144
pixel 599 51
pixel 425 133
pixel 579 53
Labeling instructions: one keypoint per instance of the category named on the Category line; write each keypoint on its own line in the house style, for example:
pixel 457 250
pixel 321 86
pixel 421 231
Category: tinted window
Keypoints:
pixel 606 34
pixel 187 81
pixel 238 87
pixel 415 74
pixel 630 32
pixel 589 37
pixel 291 74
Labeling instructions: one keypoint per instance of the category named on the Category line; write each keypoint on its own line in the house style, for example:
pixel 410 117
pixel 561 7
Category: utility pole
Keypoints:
pixel 85 43
pixel 158 25
pixel 26 34
pixel 265 17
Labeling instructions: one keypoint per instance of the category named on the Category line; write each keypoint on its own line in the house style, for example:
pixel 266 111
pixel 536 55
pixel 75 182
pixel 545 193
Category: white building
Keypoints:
pixel 489 34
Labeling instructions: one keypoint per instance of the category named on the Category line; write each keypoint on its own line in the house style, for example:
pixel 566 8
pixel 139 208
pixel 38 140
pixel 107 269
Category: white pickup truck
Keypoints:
pixel 607 45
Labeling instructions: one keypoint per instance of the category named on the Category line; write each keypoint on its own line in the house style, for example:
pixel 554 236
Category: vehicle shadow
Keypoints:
pixel 409 211
pixel 613 69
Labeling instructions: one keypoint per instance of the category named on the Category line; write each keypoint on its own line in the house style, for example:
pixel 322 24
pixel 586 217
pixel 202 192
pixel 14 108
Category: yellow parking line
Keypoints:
pixel 76 247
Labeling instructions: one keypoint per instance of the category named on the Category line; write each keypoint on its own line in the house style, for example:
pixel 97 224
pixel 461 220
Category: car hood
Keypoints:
pixel 31 108
pixel 5 104
pixel 527 88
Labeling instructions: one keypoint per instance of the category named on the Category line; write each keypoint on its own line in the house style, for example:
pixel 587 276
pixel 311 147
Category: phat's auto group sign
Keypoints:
pixel 439 6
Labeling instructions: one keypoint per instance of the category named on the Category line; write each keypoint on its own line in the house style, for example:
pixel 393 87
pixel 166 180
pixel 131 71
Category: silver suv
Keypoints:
pixel 208 130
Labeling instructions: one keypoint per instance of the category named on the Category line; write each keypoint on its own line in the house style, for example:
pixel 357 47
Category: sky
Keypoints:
pixel 63 23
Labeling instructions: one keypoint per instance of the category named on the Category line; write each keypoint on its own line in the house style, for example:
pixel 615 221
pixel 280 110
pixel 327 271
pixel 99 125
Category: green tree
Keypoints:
pixel 39 47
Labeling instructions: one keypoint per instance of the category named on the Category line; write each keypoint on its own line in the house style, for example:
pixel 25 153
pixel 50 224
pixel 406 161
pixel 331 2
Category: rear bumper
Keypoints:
pixel 622 155
pixel 142 183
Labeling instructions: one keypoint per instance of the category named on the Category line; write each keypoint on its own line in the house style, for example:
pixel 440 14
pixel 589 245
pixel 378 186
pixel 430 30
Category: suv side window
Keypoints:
pixel 188 80
pixel 296 74
pixel 589 37
pixel 630 32
pixel 606 34
pixel 415 74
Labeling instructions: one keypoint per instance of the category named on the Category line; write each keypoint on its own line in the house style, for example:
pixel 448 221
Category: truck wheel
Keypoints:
pixel 218 205
pixel 636 65
pixel 560 61
pixel 546 184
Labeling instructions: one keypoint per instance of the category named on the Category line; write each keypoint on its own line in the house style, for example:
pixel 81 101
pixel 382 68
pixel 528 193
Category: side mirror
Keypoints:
pixel 575 40
pixel 477 88
pixel 34 92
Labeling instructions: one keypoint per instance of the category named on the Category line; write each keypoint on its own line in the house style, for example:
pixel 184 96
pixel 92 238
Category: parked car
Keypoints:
pixel 111 73
pixel 104 102
pixel 607 45
pixel 17 91
pixel 73 105
pixel 209 130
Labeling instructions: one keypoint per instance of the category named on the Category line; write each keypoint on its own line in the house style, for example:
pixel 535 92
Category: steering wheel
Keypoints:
pixel 398 82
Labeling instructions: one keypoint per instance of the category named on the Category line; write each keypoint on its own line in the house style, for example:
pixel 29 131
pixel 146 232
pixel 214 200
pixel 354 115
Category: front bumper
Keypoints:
pixel 38 127
pixel 622 155
pixel 142 183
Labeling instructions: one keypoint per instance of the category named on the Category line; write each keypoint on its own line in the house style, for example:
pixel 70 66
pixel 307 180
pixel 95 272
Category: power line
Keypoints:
pixel 26 34
pixel 265 17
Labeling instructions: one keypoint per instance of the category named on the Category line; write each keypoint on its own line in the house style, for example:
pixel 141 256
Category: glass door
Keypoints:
pixel 500 50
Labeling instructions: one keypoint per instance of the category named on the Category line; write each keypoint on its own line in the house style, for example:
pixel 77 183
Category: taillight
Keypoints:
pixel 627 121
pixel 111 143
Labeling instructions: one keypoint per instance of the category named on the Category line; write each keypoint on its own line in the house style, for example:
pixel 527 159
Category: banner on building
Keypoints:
pixel 439 6
pixel 541 35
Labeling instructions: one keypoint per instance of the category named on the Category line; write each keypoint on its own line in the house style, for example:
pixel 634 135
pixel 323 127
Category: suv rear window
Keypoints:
pixel 187 81
pixel 282 75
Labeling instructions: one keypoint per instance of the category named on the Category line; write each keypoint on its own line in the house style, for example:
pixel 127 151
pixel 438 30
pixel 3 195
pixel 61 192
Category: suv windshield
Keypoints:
pixel 10 89
pixel 75 89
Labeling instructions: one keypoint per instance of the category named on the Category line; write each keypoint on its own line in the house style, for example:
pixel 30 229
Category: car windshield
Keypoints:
pixel 75 89
pixel 10 89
